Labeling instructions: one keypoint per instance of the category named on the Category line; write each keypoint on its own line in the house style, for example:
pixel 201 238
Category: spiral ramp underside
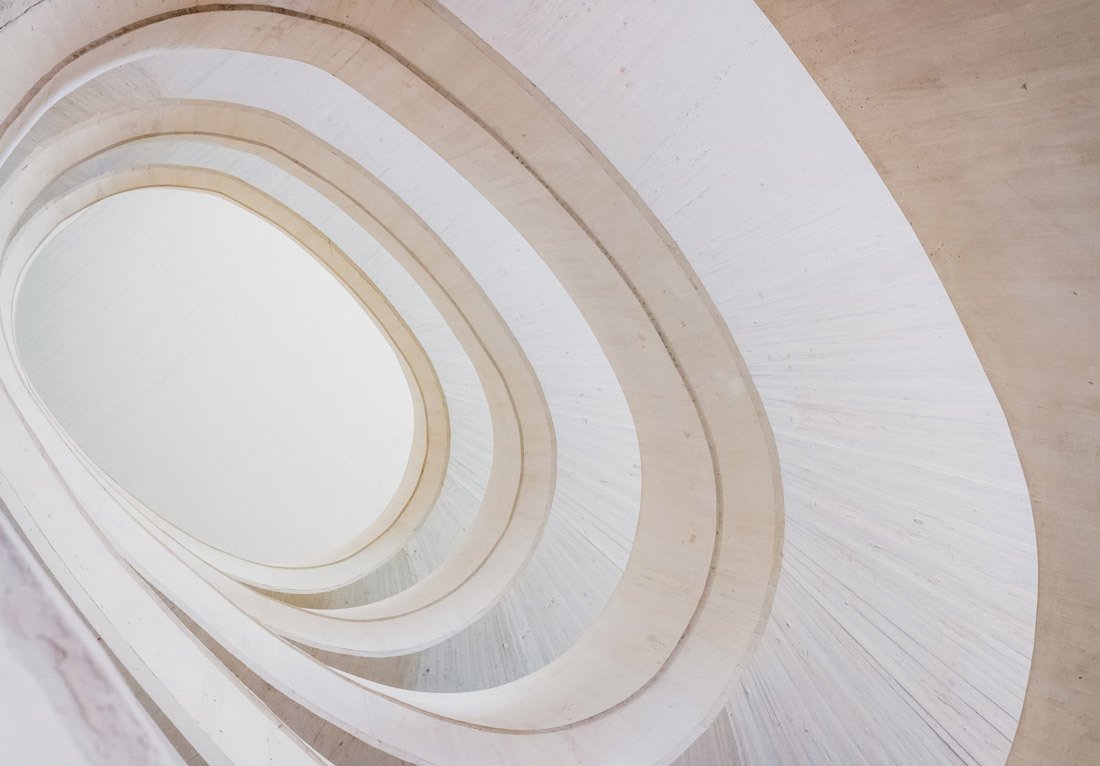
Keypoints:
pixel 705 468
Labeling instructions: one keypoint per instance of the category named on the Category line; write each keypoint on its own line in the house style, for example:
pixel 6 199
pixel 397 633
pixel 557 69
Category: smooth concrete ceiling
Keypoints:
pixel 218 373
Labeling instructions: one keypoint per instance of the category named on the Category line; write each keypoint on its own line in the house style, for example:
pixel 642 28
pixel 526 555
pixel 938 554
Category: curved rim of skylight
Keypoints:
pixel 404 483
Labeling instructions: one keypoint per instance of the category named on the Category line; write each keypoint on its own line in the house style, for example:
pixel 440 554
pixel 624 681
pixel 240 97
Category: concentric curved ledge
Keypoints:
pixel 702 457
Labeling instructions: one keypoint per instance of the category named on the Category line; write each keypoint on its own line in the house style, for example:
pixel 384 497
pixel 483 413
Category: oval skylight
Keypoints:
pixel 218 373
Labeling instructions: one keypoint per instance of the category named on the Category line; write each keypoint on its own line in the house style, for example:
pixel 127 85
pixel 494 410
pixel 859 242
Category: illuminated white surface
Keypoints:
pixel 217 372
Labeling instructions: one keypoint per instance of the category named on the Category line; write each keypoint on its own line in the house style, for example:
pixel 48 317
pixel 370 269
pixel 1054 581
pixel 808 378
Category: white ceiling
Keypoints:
pixel 217 372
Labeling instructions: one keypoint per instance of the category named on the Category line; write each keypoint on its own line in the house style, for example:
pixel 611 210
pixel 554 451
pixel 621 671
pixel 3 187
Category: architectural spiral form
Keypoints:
pixel 696 460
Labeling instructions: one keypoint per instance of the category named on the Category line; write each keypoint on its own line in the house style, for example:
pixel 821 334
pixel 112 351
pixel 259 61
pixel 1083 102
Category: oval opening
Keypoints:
pixel 217 372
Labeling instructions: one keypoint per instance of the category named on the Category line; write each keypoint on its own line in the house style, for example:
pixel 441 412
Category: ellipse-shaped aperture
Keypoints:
pixel 218 373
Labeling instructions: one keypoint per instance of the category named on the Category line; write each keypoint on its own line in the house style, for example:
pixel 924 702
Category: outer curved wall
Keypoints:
pixel 981 119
